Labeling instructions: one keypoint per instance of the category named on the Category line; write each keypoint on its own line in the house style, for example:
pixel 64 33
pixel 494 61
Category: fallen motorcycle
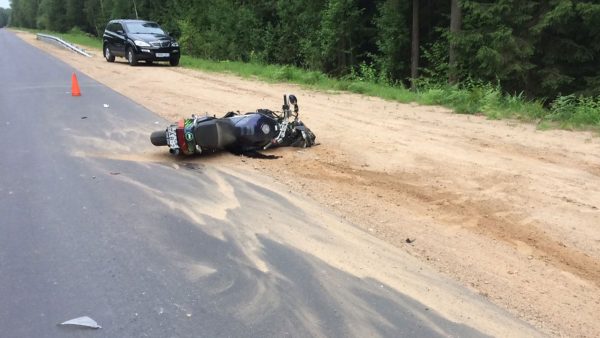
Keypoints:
pixel 238 133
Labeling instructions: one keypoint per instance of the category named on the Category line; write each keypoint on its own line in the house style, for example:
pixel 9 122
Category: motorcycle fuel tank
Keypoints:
pixel 255 129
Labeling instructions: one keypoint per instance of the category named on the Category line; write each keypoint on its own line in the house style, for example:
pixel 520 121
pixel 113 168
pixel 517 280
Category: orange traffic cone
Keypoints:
pixel 75 86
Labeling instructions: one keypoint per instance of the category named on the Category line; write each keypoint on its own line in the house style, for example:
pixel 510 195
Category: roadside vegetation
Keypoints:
pixel 4 16
pixel 566 112
pixel 75 36
pixel 532 60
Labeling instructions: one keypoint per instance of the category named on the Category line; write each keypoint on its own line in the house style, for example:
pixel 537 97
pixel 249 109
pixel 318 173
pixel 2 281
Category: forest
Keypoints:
pixel 4 16
pixel 532 48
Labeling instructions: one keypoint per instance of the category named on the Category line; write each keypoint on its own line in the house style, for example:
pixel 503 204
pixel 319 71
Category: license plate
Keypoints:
pixel 162 55
pixel 172 138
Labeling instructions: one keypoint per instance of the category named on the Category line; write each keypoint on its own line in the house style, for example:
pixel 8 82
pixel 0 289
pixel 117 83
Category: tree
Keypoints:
pixel 4 16
pixel 293 33
pixel 52 16
pixel 392 39
pixel 95 16
pixel 496 44
pixel 24 13
pixel 73 14
pixel 122 9
pixel 340 35
pixel 567 49
pixel 455 23
pixel 543 48
pixel 414 68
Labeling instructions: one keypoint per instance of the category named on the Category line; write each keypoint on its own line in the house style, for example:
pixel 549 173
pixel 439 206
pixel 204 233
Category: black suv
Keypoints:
pixel 139 40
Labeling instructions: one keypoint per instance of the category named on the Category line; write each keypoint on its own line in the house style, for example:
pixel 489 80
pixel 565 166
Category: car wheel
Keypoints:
pixel 174 61
pixel 149 62
pixel 131 57
pixel 108 55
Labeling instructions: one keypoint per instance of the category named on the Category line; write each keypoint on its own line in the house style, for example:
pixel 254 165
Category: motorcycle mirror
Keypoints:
pixel 293 99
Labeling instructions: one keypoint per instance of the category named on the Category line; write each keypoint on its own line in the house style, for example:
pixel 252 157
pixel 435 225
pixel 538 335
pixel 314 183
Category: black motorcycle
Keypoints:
pixel 238 133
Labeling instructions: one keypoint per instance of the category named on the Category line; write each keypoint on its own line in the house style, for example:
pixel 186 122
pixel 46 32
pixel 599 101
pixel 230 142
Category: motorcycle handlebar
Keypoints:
pixel 286 107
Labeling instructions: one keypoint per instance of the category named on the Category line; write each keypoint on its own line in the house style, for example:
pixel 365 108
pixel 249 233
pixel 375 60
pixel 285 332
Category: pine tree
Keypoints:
pixel 415 43
pixel 455 25
pixel 393 38
pixel 4 16
pixel 496 43
pixel 567 49
pixel 24 13
pixel 340 35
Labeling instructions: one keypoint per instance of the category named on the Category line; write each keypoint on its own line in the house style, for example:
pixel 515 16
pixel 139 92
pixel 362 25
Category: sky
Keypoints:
pixel 4 3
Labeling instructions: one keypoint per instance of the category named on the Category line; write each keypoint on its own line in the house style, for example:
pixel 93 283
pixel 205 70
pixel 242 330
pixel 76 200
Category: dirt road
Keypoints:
pixel 508 210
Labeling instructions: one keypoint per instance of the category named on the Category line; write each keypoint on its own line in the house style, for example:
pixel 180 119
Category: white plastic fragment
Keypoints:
pixel 106 105
pixel 83 321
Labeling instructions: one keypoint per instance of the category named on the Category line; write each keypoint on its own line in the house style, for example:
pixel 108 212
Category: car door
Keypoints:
pixel 119 39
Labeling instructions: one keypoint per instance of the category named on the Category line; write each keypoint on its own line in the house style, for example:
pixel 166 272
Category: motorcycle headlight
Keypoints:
pixel 140 43
pixel 174 44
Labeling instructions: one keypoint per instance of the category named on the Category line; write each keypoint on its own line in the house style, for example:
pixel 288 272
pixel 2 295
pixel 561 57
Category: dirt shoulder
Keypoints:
pixel 509 211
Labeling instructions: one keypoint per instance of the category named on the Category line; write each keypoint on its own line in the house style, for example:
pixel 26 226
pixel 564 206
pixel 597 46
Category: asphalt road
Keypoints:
pixel 91 227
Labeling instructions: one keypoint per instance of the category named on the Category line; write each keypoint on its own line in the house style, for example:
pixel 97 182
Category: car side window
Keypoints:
pixel 118 27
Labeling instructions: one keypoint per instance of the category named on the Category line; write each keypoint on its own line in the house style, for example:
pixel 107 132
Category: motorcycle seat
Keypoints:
pixel 214 134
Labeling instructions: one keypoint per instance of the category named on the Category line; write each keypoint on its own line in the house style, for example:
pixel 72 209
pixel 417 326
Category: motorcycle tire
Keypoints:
pixel 159 138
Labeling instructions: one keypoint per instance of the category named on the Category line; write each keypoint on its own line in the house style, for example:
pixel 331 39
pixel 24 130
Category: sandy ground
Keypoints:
pixel 507 210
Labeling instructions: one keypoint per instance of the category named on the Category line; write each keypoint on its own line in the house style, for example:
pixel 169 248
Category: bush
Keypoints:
pixel 473 98
pixel 572 111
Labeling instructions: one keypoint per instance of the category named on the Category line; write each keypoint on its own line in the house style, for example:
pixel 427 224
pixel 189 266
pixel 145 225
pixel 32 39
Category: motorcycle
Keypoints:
pixel 238 133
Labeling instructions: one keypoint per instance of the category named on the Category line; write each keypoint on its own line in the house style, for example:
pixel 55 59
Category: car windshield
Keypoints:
pixel 144 28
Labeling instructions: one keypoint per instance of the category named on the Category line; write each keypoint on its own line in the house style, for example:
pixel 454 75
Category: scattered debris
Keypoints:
pixel 106 105
pixel 115 173
pixel 84 321
pixel 188 315
pixel 410 240
pixel 84 117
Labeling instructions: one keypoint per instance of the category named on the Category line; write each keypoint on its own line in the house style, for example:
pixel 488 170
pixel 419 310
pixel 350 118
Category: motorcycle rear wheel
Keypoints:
pixel 159 138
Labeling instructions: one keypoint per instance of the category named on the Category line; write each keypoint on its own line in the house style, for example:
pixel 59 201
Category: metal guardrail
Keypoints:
pixel 63 43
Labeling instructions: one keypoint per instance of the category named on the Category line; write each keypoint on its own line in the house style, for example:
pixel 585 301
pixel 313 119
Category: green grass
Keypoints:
pixel 567 112
pixel 572 112
pixel 74 36
pixel 484 99
pixel 289 74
